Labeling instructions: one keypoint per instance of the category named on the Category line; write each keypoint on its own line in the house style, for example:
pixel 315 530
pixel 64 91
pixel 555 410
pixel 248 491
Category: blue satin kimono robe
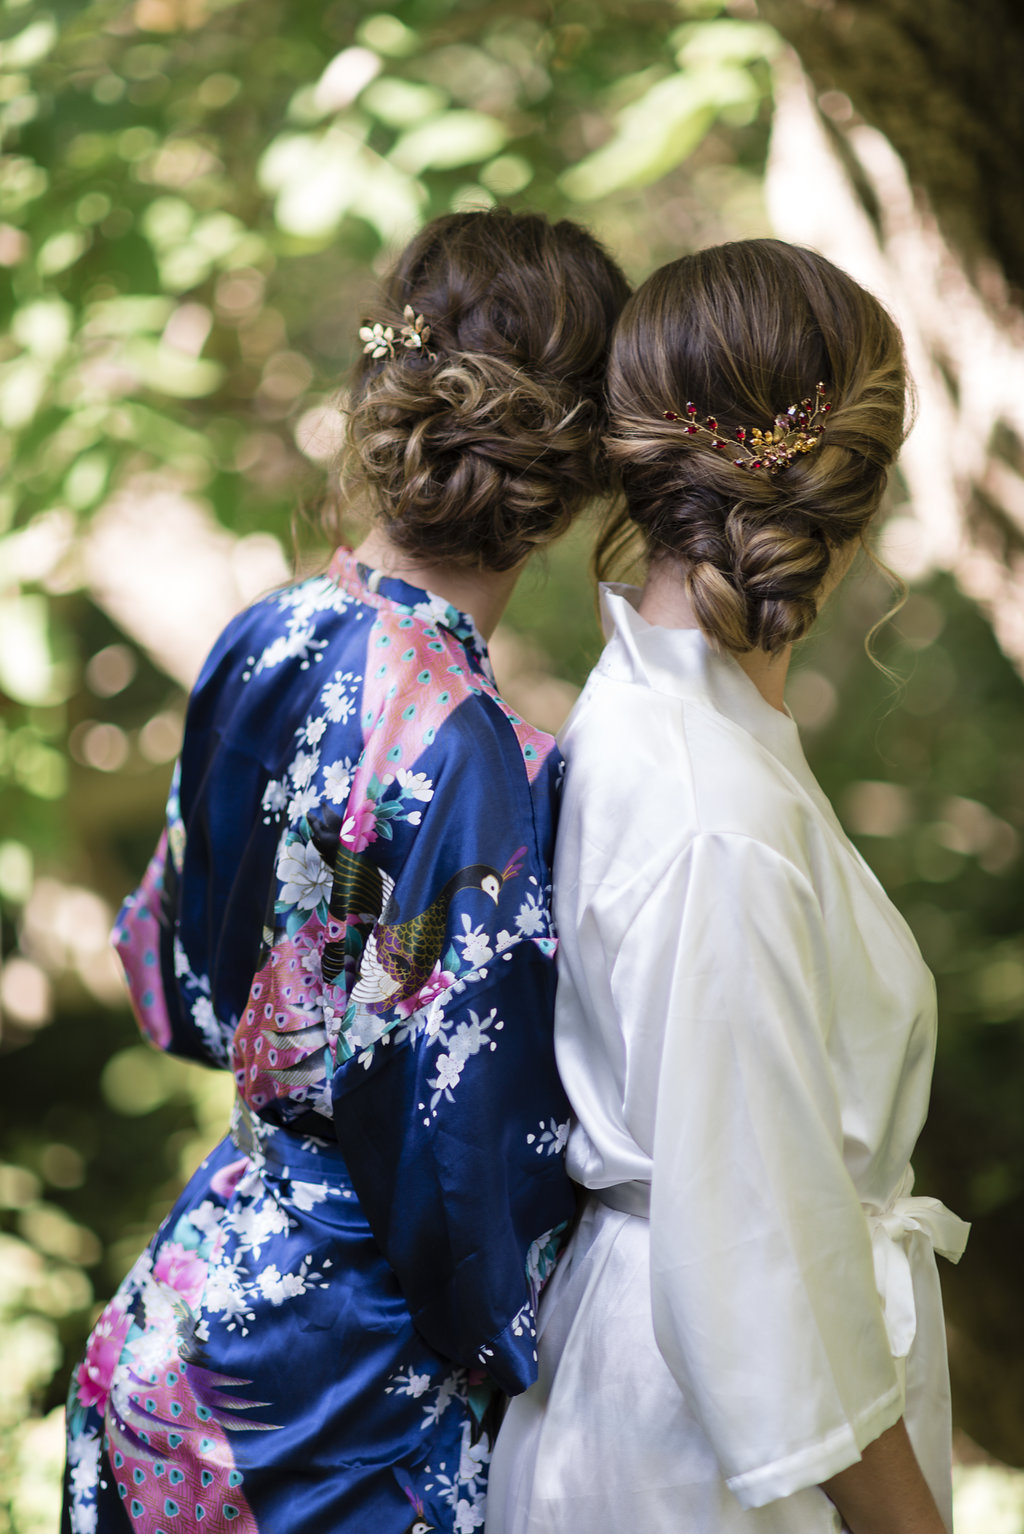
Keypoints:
pixel 349 910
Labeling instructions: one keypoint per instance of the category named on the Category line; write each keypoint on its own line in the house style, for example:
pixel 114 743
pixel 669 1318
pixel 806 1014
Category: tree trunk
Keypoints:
pixel 942 81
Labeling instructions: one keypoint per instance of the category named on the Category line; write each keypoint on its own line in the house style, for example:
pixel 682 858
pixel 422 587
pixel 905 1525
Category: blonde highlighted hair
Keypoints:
pixel 743 331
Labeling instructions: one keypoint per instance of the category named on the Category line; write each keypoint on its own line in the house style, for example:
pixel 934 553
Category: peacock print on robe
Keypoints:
pixel 349 910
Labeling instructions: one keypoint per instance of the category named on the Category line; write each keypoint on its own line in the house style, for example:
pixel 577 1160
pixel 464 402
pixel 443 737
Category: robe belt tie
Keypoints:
pixel 278 1152
pixel 891 1231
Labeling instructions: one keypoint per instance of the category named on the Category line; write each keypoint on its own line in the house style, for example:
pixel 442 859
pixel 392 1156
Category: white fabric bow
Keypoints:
pixel 890 1230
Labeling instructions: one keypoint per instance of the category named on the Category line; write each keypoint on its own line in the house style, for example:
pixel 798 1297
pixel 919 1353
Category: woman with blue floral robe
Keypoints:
pixel 349 910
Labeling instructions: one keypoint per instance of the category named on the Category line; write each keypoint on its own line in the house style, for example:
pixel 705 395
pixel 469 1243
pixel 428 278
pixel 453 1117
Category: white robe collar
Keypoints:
pixel 681 663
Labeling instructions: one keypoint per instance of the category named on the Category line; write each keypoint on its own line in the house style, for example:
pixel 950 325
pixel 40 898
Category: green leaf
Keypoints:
pixel 320 178
pixel 401 103
pixel 30 46
pixel 171 372
pixel 663 127
pixel 449 140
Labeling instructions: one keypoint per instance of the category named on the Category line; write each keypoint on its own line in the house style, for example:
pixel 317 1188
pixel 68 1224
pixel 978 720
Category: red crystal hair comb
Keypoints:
pixel 796 430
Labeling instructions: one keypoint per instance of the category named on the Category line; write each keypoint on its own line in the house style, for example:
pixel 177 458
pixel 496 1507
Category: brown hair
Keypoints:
pixel 489 448
pixel 743 331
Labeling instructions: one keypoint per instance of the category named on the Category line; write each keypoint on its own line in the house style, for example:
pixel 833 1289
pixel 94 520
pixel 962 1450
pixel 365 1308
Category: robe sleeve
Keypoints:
pixel 764 1299
pixel 188 937
pixel 452 1119
pixel 144 937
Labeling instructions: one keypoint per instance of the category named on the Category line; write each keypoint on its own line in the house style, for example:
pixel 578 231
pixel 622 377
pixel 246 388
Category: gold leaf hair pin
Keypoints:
pixel 382 341
pixel 796 430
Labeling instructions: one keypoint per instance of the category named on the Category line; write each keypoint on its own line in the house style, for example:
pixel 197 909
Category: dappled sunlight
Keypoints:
pixel 965 348
pixel 166 572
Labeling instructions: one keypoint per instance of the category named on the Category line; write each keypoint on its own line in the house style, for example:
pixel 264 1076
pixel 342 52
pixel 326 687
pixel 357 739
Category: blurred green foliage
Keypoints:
pixel 194 196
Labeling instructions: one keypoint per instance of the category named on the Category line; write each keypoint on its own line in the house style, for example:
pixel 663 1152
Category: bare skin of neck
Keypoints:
pixel 665 603
pixel 483 594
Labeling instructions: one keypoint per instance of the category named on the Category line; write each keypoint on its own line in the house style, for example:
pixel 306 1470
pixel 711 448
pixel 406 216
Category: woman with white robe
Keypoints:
pixel 745 1334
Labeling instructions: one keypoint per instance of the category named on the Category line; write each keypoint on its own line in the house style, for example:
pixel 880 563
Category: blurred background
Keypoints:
pixel 194 198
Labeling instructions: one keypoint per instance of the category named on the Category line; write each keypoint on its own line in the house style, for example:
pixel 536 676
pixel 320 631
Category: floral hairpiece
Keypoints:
pixel 796 430
pixel 381 340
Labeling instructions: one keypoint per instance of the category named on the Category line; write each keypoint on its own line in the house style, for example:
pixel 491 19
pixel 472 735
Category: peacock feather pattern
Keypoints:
pixel 167 1439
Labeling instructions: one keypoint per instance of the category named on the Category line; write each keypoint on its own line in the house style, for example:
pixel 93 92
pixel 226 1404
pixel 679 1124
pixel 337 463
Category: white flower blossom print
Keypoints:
pixel 409 1383
pixel 337 698
pixel 468 1516
pixel 275 797
pixel 449 1069
pixel 532 916
pixel 468 1038
pixel 278 1287
pixel 476 947
pixel 460 1042
pixel 301 803
pixel 205 1019
pixel 303 769
pixel 304 874
pixel 338 780
pixel 434 610
pixel 415 785
pixel 299 643
pixel 255 1224
pixel 306 1195
pixel 551 1140
pixel 86 1462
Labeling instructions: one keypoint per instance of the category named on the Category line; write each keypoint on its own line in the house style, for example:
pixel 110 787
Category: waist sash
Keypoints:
pixel 890 1230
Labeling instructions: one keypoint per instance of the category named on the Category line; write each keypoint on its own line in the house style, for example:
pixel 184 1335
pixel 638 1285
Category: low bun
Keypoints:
pixel 485 444
pixel 744 330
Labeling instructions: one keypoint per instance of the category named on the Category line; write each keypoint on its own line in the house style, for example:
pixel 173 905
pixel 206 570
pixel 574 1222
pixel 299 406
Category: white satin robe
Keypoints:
pixel 746 1031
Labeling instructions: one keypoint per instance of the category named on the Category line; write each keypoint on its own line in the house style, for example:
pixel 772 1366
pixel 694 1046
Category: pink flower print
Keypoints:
pixel 360 827
pixel 439 981
pixel 224 1182
pixel 103 1353
pixel 183 1270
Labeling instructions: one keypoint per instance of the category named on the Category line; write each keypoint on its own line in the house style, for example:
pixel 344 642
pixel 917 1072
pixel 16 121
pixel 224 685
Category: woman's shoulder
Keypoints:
pixel 291 629
pixel 647 774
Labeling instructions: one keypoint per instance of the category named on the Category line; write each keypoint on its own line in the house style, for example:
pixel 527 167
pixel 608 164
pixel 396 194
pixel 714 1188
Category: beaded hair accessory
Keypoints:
pixel 381 340
pixel 797 430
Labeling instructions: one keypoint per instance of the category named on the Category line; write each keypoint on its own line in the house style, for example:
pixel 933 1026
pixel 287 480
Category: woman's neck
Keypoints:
pixel 483 594
pixel 664 602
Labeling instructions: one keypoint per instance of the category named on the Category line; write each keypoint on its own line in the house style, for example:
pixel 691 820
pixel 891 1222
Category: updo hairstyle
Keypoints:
pixel 476 455
pixel 743 331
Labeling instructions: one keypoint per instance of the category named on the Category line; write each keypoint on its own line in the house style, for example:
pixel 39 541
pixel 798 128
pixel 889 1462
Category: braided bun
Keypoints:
pixel 486 443
pixel 744 331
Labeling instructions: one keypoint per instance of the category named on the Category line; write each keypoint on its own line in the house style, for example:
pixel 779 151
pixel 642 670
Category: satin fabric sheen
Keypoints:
pixel 745 1027
pixel 349 910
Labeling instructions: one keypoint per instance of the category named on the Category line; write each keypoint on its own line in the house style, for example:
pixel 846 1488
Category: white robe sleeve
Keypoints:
pixel 763 1290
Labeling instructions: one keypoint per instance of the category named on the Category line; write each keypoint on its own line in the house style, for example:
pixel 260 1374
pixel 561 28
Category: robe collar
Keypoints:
pixel 680 663
pixel 379 590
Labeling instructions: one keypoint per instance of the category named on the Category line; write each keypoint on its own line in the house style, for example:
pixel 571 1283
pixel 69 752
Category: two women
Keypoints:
pixel 350 911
